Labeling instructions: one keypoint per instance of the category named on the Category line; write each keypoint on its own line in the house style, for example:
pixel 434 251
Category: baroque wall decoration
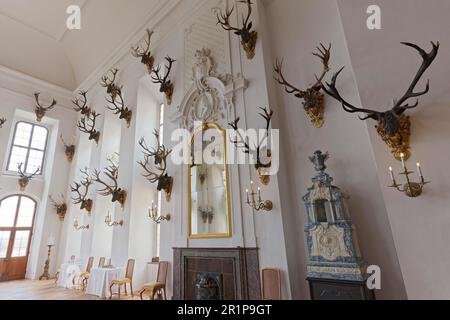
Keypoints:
pixel 41 110
pixel 394 127
pixel 87 125
pixel 69 149
pixel 25 179
pixel 60 207
pixel 144 53
pixel 81 190
pixel 245 32
pixel 166 85
pixel 111 188
pixel 313 99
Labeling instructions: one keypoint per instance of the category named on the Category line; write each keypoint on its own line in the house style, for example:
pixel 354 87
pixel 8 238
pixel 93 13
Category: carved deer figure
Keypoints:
pixel 69 149
pixel 145 53
pixel 87 125
pixel 81 191
pixel 110 84
pixel 41 110
pixel 25 179
pixel 111 189
pixel 313 99
pixel 166 85
pixel 60 207
pixel 159 174
pixel 241 143
pixel 117 105
pixel 248 37
pixel 393 125
pixel 2 122
pixel 81 104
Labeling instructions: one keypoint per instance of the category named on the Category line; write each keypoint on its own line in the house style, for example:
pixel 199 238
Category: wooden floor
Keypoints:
pixel 42 290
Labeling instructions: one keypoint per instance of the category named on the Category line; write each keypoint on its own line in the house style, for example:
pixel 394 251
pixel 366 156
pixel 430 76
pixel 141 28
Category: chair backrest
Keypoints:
pixel 162 272
pixel 130 269
pixel 90 264
pixel 271 284
pixel 101 262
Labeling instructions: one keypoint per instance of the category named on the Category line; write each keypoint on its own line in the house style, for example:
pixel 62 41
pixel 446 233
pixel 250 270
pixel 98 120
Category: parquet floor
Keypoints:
pixel 42 290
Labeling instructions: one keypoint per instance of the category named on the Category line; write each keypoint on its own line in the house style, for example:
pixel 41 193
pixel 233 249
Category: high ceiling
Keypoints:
pixel 35 41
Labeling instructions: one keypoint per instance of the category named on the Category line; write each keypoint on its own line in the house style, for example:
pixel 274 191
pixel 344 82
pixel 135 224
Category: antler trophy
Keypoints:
pixel 69 149
pixel 41 110
pixel 240 142
pixel 60 207
pixel 112 173
pixel 24 179
pixel 166 85
pixel 393 125
pixel 165 182
pixel 145 53
pixel 313 99
pixel 81 104
pixel 81 197
pixel 248 37
pixel 2 122
pixel 116 101
pixel 87 125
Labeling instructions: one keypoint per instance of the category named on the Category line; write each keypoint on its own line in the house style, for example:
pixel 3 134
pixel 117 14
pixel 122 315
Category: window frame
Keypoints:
pixel 29 148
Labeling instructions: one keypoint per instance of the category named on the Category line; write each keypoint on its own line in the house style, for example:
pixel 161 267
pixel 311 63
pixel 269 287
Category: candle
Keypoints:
pixel 402 156
pixel 392 174
pixel 248 199
pixel 251 184
pixel 51 241
pixel 259 194
pixel 420 170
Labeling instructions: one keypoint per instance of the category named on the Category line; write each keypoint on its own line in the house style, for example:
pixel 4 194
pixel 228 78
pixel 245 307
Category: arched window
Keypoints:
pixel 28 147
pixel 16 225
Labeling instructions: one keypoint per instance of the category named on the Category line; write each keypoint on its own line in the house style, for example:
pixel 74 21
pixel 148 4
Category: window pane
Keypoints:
pixel 34 161
pixel 20 244
pixel 22 136
pixel 4 240
pixel 39 138
pixel 26 213
pixel 18 156
pixel 8 208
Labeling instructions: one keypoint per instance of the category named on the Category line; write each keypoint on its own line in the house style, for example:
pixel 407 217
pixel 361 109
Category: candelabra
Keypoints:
pixel 157 218
pixel 110 223
pixel 411 189
pixel 77 226
pixel 46 274
pixel 259 204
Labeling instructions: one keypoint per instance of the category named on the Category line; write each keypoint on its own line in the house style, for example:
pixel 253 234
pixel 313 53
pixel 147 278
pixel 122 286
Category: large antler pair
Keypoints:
pixel 248 37
pixel 25 179
pixel 160 155
pixel 112 173
pixel 40 110
pixel 145 53
pixel 166 85
pixel 242 143
pixel 81 197
pixel 69 149
pixel 60 206
pixel 393 125
pixel 87 125
pixel 81 104
pixel 313 99
pixel 115 100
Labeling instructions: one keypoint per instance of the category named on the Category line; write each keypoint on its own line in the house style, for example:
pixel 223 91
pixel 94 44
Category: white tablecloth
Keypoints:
pixel 100 281
pixel 66 274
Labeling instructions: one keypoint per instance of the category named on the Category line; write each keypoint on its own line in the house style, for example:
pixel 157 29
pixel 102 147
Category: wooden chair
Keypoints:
pixel 101 262
pixel 127 280
pixel 271 284
pixel 159 285
pixel 84 276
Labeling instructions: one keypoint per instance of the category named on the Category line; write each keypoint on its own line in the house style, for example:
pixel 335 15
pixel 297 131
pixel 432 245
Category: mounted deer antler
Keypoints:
pixel 69 149
pixel 2 122
pixel 82 197
pixel 248 37
pixel 313 99
pixel 393 125
pixel 87 125
pixel 41 110
pixel 81 104
pixel 166 85
pixel 145 53
pixel 60 207
pixel 24 179
pixel 118 107
pixel 110 84
pixel 241 143
pixel 165 182
pixel 112 173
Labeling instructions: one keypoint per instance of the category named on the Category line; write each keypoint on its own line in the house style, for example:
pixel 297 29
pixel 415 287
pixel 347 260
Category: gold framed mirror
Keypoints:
pixel 209 211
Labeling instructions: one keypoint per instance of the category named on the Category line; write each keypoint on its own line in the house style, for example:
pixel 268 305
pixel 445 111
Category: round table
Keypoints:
pixel 100 280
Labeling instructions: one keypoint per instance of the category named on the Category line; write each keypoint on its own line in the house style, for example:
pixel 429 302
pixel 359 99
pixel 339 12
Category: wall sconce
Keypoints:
pixel 77 226
pixel 259 205
pixel 110 223
pixel 411 189
pixel 157 218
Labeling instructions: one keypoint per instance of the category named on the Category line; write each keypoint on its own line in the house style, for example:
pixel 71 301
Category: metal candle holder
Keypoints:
pixel 258 205
pixel 77 226
pixel 110 223
pixel 157 218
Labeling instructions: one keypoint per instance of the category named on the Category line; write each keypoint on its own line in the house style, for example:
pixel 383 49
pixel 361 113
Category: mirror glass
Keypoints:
pixel 208 187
